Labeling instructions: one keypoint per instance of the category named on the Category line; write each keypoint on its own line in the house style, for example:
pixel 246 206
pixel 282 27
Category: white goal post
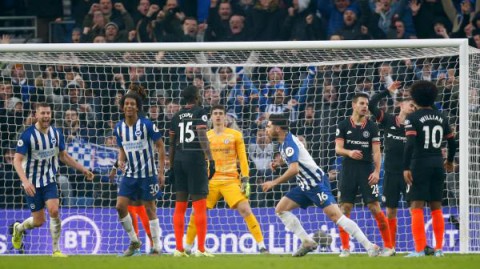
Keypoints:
pixel 90 225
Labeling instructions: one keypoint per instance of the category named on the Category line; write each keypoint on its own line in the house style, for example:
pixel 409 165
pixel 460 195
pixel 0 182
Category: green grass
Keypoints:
pixel 450 261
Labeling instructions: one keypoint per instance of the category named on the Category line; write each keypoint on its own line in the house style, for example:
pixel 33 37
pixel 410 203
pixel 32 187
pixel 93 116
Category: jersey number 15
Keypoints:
pixel 186 132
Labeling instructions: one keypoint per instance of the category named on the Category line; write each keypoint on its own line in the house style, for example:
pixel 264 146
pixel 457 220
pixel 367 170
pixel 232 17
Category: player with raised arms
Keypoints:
pixel 394 144
pixel 313 189
pixel 39 149
pixel 424 167
pixel 136 138
pixel 228 149
pixel 188 151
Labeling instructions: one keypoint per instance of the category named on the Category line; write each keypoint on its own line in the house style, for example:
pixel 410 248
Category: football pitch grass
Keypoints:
pixel 241 262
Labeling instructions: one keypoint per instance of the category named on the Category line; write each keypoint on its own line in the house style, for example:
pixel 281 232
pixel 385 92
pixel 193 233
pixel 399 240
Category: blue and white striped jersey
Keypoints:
pixel 40 151
pixel 292 150
pixel 138 143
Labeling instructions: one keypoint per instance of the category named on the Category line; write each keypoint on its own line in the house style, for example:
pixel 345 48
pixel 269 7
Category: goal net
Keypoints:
pixel 311 81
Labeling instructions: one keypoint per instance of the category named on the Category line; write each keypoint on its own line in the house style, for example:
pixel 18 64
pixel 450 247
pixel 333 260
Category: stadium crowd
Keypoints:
pixel 86 98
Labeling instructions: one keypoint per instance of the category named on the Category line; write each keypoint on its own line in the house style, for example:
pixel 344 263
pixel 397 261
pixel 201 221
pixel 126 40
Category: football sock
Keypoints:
pixel 128 227
pixel 142 213
pixel 438 224
pixel 254 227
pixel 292 223
pixel 344 236
pixel 418 229
pixel 179 223
pixel 200 208
pixel 351 228
pixel 155 235
pixel 191 231
pixel 55 228
pixel 25 225
pixel 382 224
pixel 392 225
pixel 133 214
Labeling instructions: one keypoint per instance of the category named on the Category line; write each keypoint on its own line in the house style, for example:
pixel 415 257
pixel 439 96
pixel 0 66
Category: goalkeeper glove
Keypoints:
pixel 211 169
pixel 245 187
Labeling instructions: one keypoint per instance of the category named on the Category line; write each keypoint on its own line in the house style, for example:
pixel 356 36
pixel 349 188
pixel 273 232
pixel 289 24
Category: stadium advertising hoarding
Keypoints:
pixel 97 231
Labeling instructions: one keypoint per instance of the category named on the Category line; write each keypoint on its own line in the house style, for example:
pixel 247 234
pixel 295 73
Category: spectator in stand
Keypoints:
pixel 398 31
pixel 332 12
pixel 218 21
pixel 97 27
pixel 114 35
pixel 384 13
pixel 352 30
pixel 76 35
pixel 275 81
pixel 301 23
pixel 119 15
pixel 260 154
pixel 168 25
pixel 237 31
pixel 266 20
pixel 74 131
pixel 141 11
pixel 145 26
pixel 73 100
pixel 22 86
pixel 190 30
pixel 424 14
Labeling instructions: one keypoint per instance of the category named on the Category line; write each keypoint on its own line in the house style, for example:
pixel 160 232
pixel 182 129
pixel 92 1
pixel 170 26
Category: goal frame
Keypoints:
pixel 460 44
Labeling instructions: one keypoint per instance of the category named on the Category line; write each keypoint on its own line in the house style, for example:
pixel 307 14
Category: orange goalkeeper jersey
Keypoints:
pixel 228 149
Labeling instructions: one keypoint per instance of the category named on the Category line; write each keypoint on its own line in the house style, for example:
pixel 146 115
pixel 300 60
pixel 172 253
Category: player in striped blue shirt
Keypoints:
pixel 39 149
pixel 137 137
pixel 313 189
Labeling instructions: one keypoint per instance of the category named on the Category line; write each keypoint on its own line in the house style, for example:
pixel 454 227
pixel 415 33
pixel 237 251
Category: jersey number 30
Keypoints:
pixel 186 132
pixel 435 135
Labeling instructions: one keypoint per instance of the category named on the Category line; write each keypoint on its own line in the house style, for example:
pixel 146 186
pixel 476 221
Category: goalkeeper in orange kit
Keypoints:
pixel 228 149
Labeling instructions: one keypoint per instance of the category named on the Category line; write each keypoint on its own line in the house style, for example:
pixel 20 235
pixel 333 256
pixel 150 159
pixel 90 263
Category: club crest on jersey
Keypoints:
pixel 32 206
pixel 138 133
pixel 226 141
pixel 205 118
pixel 54 141
pixel 289 152
pixel 337 132
pixel 366 134
pixel 20 143
pixel 155 129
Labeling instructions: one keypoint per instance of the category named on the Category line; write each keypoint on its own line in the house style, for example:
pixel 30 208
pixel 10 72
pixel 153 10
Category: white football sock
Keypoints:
pixel 352 229
pixel 292 223
pixel 261 245
pixel 25 225
pixel 155 230
pixel 128 227
pixel 55 229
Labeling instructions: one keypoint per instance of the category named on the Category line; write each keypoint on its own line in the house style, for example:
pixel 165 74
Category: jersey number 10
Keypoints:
pixel 433 135
pixel 186 132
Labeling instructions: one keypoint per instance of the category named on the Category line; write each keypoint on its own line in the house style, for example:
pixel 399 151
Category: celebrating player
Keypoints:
pixel 358 141
pixel 313 188
pixel 228 148
pixel 188 149
pixel 394 144
pixel 36 162
pixel 136 137
pixel 424 169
